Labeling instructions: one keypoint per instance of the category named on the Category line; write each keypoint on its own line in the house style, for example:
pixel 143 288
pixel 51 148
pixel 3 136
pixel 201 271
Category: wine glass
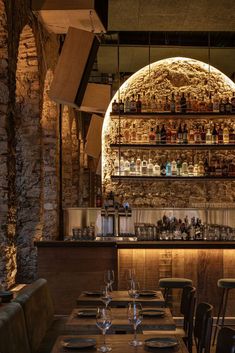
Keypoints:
pixel 105 296
pixel 133 289
pixel 109 278
pixel 130 274
pixel 135 318
pixel 104 321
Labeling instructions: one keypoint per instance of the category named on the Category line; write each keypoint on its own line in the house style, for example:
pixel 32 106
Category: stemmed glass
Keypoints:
pixel 135 318
pixel 109 278
pixel 104 321
pixel 134 289
pixel 130 274
pixel 105 296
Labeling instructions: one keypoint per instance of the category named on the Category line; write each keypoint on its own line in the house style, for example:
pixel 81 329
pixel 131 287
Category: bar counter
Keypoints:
pixel 73 266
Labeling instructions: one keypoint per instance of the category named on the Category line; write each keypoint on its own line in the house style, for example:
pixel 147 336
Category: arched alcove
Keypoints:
pixel 50 151
pixel 28 156
pixel 161 79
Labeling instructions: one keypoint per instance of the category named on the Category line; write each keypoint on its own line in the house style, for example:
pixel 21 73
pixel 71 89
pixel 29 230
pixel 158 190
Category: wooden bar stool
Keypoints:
pixel 226 284
pixel 170 283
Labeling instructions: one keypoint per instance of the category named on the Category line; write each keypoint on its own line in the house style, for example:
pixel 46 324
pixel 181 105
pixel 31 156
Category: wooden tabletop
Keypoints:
pixel 120 299
pixel 120 322
pixel 120 344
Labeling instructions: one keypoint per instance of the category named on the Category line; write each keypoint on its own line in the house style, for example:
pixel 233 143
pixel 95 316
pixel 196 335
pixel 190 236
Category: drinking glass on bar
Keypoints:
pixel 105 295
pixel 104 321
pixel 135 318
pixel 109 278
pixel 133 289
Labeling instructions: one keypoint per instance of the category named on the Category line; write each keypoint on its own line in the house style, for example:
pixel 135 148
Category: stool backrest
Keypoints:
pixel 226 341
pixel 203 327
pixel 187 308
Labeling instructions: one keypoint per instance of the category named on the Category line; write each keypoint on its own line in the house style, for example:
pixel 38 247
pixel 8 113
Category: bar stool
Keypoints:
pixel 226 284
pixel 170 283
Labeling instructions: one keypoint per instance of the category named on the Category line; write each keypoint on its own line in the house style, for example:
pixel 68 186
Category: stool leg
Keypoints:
pixel 218 317
pixel 225 307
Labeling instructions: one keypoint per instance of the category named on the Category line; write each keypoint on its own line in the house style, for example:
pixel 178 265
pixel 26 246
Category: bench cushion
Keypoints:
pixel 226 283
pixel 13 334
pixel 174 282
pixel 38 308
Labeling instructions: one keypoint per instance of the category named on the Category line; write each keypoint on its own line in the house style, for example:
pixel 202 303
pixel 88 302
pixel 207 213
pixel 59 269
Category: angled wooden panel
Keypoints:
pixel 96 98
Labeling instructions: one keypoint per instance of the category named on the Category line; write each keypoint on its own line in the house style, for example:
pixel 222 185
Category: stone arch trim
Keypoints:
pixel 28 156
pixel 50 156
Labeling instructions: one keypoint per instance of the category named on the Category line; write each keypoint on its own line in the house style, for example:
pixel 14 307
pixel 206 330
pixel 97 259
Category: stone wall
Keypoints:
pixel 161 79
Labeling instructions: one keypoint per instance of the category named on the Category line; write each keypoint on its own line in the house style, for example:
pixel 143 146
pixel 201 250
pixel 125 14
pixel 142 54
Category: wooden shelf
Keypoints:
pixel 164 115
pixel 171 178
pixel 173 146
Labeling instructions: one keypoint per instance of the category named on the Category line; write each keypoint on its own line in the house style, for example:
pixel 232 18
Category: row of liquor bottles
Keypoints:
pixel 178 134
pixel 173 167
pixel 179 103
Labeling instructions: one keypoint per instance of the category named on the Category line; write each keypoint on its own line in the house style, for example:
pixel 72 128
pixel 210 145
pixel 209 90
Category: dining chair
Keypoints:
pixel 225 341
pixel 187 309
pixel 203 327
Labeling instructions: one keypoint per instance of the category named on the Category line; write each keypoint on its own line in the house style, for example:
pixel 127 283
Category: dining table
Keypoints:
pixel 82 320
pixel 121 298
pixel 156 343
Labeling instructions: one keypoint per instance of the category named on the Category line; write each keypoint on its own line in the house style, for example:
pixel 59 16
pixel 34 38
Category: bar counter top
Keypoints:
pixel 161 244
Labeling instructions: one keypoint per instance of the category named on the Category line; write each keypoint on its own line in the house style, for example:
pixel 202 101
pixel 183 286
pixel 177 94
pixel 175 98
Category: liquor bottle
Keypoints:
pixel 210 104
pixel 188 104
pixel 185 134
pixel 197 135
pixel 222 106
pixel 195 104
pixel 127 105
pixel 126 133
pixel 126 167
pixel 150 167
pixel 133 104
pixel 168 168
pixel 225 134
pixel 144 168
pixel 138 166
pixel 195 169
pixel 144 107
pixel 214 135
pixel 172 103
pixel 132 167
pixel 173 134
pixel 233 103
pixel 167 107
pixel 116 164
pixel 153 104
pixel 177 103
pixel 98 199
pixel 203 134
pixel 138 104
pixel 208 137
pixel 202 105
pixel 152 136
pixel 174 168
pixel 183 106
pixel 216 102
pixel 201 170
pixel 180 135
pixel 184 169
pixel 133 133
pixel 191 135
pixel 163 169
pixel 163 134
pixel 157 169
pixel 206 168
pixel 121 107
pixel 121 166
pixel 231 134
pixel 228 107
pixel 158 135
pixel 179 166
pixel 115 107
pixel 190 169
pixel 220 134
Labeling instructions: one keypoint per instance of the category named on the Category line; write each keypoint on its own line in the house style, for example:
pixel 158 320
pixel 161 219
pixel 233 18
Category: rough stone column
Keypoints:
pixel 28 157
pixel 75 163
pixel 49 162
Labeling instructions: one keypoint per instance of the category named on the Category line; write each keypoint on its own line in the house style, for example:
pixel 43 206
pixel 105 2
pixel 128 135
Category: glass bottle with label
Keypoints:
pixel 163 168
pixel 191 135
pixel 115 107
pixel 214 135
pixel 210 104
pixel 201 170
pixel 185 134
pixel 188 104
pixel 172 103
pixel 157 169
pixel 228 106
pixel 152 136
pixel 183 106
pixel 127 105
pixel 168 168
pixel 150 167
pixel 190 169
pixel 216 102
pixel 121 107
pixel 126 167
pixel 180 135
pixel 133 133
pixel 163 134
pixel 203 134
pixel 233 102
pixel 222 106
pixel 208 137
pixel 138 166
pixel 132 166
pixel 174 167
pixel 133 104
pixel 184 169
pixel 138 104
pixel 158 135
pixel 144 167
pixel 179 166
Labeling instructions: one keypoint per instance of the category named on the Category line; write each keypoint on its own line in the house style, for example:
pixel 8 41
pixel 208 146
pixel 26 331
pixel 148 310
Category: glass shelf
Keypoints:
pixel 171 178
pixel 167 115
pixel 173 146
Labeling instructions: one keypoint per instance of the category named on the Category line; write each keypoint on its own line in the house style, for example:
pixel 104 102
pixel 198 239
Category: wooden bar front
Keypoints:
pixel 71 267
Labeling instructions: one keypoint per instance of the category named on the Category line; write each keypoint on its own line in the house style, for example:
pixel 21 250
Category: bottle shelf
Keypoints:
pixel 175 146
pixel 171 178
pixel 171 115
